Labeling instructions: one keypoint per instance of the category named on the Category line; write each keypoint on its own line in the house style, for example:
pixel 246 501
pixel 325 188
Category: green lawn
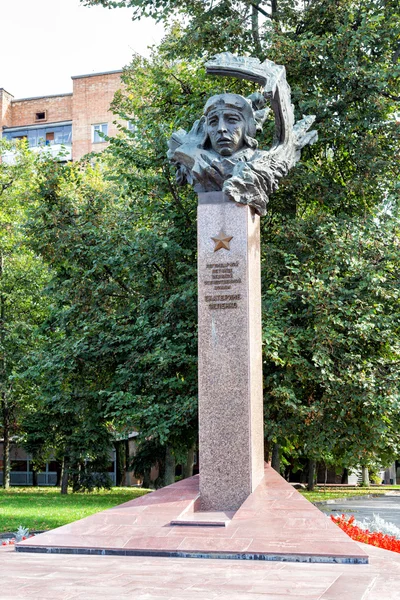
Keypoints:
pixel 45 508
pixel 320 494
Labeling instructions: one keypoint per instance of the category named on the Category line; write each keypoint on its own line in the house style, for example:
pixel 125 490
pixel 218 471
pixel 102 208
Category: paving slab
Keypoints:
pixel 275 523
pixel 73 577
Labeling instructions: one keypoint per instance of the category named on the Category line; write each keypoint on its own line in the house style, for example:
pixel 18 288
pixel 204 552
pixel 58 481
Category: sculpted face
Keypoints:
pixel 226 130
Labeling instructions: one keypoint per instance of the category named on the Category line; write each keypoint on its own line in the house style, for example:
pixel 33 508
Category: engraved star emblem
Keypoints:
pixel 221 241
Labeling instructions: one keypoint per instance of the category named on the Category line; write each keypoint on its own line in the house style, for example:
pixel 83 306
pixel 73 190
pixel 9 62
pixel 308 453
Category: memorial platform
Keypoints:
pixel 275 523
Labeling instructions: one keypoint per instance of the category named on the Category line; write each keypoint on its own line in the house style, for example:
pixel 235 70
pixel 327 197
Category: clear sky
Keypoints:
pixel 44 42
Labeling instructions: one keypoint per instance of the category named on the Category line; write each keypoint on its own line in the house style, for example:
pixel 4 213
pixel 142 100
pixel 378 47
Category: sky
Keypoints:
pixel 45 42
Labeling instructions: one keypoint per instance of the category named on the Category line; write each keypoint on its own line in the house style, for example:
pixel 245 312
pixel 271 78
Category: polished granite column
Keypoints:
pixel 230 363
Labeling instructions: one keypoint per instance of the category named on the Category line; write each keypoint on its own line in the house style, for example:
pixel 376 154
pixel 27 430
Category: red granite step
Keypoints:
pixel 275 523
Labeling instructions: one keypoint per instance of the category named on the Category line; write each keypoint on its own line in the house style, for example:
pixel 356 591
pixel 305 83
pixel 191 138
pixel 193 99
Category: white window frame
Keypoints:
pixel 99 128
pixel 130 125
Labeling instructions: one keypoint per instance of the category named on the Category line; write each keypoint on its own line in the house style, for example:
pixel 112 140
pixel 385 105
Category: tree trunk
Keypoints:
pixel 267 451
pixel 345 477
pixel 146 483
pixel 5 408
pixel 127 480
pixel 276 460
pixel 6 442
pixel 120 462
pixel 58 473
pixel 311 474
pixel 169 473
pixel 64 476
pixel 364 477
pixel 34 478
pixel 187 469
pixel 255 29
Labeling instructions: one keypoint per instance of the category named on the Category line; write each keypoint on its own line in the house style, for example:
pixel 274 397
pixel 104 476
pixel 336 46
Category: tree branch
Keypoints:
pixel 117 280
pixel 176 197
pixel 185 88
pixel 255 30
pixel 159 269
pixel 257 7
pixel 387 95
pixel 5 186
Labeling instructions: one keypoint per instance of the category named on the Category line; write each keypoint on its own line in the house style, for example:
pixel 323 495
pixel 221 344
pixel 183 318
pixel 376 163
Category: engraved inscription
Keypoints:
pixel 222 305
pixel 223 277
pixel 223 297
pixel 218 280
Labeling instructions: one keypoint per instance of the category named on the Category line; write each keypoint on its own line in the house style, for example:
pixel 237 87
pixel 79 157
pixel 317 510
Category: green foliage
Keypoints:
pixel 220 24
pixel 121 346
pixel 148 455
pixel 22 277
pixel 331 335
pixel 90 480
pixel 330 245
pixel 70 369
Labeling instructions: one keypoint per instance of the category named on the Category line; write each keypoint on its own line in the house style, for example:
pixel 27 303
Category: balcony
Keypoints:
pixel 54 139
pixel 62 152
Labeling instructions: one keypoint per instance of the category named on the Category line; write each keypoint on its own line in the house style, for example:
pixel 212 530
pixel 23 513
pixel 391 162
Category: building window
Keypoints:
pixel 131 126
pixel 41 116
pixel 57 135
pixel 98 131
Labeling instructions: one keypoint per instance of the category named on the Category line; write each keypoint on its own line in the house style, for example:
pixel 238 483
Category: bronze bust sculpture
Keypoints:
pixel 220 152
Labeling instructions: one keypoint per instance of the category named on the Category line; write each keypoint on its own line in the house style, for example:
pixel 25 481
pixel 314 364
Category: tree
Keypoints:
pixel 22 277
pixel 121 349
pixel 227 24
pixel 331 334
pixel 314 243
pixel 342 60
pixel 72 366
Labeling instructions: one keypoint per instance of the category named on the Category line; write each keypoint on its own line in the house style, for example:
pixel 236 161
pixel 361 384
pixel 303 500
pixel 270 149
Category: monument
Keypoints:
pixel 234 178
pixel 236 509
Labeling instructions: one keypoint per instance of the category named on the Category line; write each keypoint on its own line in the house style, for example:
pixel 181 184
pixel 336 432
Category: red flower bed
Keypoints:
pixel 387 542
pixel 12 541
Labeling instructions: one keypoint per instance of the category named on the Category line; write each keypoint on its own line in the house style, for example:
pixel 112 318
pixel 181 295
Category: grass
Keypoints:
pixel 320 494
pixel 45 508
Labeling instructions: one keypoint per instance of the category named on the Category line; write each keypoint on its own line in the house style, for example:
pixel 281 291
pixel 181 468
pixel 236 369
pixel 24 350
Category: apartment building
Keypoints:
pixel 74 122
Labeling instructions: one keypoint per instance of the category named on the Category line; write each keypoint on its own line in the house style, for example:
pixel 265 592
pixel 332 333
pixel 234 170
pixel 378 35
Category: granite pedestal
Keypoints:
pixel 231 441
pixel 275 523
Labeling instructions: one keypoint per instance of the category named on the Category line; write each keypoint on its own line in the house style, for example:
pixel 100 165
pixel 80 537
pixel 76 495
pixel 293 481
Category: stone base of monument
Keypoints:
pixel 275 523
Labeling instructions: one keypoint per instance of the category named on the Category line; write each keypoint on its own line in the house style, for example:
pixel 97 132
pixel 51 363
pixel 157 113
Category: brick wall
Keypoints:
pixel 5 108
pixel 88 105
pixel 92 97
pixel 57 108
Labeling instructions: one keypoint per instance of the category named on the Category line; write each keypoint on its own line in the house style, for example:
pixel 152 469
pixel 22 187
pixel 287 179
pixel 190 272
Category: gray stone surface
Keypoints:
pixel 74 577
pixel 230 367
pixel 387 507
pixel 220 152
